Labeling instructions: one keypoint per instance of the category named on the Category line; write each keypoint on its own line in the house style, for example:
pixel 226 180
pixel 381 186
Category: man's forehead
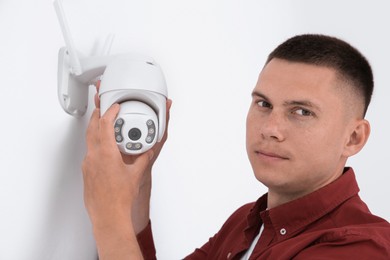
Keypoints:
pixel 279 68
pixel 296 76
pixel 293 83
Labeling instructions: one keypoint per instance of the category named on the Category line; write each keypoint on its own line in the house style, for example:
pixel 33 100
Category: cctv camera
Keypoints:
pixel 138 86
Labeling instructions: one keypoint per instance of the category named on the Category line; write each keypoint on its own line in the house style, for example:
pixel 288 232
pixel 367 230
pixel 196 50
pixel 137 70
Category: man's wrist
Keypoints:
pixel 146 181
pixel 141 205
pixel 116 239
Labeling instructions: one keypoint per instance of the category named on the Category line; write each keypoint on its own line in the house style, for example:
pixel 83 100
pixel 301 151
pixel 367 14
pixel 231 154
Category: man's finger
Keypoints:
pixel 93 129
pixel 169 105
pixel 97 99
pixel 106 126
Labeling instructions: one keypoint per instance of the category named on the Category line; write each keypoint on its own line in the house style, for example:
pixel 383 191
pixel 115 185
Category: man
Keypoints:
pixel 305 120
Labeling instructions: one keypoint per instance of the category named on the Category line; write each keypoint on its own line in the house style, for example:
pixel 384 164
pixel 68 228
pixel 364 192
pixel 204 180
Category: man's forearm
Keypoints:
pixel 117 239
pixel 116 236
pixel 141 205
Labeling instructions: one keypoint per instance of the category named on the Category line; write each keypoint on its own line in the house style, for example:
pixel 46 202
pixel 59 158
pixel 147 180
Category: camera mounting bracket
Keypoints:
pixel 75 72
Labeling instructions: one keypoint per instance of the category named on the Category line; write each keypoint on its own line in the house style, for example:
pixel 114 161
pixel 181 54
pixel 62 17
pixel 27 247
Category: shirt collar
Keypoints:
pixel 291 217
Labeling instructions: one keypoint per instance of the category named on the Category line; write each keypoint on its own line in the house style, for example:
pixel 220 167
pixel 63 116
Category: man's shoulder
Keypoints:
pixel 246 208
pixel 362 241
pixel 375 231
pixel 354 230
pixel 355 213
pixel 369 240
pixel 239 218
pixel 242 211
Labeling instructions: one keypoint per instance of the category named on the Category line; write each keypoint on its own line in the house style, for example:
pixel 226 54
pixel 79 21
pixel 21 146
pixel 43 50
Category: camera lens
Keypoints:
pixel 135 134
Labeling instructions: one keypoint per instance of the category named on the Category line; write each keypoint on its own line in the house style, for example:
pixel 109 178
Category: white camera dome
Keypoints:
pixel 138 85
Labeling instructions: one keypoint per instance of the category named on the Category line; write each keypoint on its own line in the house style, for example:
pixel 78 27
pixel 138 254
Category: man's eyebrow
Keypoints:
pixel 258 94
pixel 305 103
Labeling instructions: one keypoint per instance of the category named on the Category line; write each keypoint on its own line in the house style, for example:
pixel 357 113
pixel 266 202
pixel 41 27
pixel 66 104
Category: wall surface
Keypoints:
pixel 211 52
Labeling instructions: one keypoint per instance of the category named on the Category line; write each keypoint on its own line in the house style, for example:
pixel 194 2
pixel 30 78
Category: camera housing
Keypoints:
pixel 138 85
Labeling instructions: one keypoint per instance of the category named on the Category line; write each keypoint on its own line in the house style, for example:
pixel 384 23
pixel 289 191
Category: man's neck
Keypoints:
pixel 278 196
pixel 275 199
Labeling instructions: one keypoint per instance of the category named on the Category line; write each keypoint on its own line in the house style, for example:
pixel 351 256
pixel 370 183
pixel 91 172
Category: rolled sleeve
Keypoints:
pixel 146 243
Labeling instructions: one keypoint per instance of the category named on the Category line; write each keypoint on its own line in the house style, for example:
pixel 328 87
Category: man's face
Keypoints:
pixel 297 127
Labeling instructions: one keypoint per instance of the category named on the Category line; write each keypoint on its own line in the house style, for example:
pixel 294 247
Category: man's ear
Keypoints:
pixel 358 136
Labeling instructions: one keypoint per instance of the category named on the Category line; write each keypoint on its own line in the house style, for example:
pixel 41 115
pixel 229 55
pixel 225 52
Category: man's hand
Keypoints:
pixel 111 182
pixel 141 203
pixel 110 186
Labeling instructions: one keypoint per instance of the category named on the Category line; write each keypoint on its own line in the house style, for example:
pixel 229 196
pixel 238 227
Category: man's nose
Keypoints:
pixel 273 126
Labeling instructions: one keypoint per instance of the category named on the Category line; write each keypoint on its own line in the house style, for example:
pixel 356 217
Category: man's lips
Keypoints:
pixel 271 155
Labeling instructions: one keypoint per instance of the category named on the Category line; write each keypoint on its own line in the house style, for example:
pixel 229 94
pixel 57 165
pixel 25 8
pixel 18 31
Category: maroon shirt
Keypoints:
pixel 330 223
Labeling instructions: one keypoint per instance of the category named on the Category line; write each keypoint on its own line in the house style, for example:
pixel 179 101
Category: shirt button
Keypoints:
pixel 228 255
pixel 283 231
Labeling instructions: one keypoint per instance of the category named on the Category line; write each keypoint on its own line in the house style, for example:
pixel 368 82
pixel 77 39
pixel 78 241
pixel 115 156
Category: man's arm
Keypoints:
pixel 116 188
pixel 110 188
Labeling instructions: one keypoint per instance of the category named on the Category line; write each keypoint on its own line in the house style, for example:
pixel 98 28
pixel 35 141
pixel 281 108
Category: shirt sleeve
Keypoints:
pixel 203 252
pixel 229 242
pixel 146 243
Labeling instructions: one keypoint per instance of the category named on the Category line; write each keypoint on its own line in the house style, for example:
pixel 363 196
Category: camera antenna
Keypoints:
pixel 75 65
pixel 107 45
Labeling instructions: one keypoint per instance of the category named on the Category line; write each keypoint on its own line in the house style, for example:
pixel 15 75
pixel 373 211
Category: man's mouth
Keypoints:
pixel 271 155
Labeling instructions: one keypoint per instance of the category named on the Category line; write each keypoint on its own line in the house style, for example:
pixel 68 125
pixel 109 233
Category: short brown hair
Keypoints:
pixel 330 52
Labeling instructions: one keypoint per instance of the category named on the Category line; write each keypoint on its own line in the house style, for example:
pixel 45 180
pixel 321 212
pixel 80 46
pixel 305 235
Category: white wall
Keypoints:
pixel 211 52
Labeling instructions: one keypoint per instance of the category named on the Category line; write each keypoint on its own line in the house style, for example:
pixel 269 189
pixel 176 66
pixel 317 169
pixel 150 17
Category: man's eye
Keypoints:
pixel 303 112
pixel 263 103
